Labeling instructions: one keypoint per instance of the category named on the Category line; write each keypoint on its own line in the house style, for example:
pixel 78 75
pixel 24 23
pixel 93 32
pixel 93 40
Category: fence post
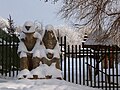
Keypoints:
pixel 109 59
pixel 102 67
pixel 76 64
pixel 2 56
pixel 6 62
pixel 65 57
pixel 61 47
pixel 79 64
pixel 69 63
pixel 72 63
pixel 98 55
pixel 18 64
pixel 10 58
pixel 13 68
pixel 114 58
pixel 106 66
pixel 117 66
pixel 94 67
pixel 83 63
pixel 90 68
pixel 87 65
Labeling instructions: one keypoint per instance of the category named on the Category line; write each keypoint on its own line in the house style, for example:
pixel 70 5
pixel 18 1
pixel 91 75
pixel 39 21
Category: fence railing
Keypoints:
pixel 9 60
pixel 94 66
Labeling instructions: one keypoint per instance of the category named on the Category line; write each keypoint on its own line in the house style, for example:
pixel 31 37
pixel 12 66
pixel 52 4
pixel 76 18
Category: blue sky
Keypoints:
pixel 23 10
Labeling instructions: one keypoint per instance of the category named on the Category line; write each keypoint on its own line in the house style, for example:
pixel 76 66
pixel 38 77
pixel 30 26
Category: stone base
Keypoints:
pixel 36 77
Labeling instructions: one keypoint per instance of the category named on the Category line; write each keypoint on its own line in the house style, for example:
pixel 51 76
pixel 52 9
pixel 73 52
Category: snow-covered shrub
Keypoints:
pixel 3 23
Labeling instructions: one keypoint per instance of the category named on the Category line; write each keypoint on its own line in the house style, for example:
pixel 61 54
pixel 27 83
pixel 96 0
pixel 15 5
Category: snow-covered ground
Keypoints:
pixel 43 84
pixel 53 84
pixel 7 83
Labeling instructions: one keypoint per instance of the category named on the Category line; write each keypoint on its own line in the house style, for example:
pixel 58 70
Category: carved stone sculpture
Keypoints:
pixel 52 48
pixel 39 58
pixel 29 47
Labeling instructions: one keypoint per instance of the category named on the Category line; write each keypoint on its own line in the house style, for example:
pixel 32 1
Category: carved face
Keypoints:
pixel 28 27
pixel 49 39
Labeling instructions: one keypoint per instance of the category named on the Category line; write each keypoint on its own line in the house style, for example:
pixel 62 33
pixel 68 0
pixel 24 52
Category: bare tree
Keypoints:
pixel 96 14
pixel 72 35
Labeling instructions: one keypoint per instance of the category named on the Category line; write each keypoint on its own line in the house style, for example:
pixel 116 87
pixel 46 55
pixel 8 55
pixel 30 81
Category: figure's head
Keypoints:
pixel 28 27
pixel 49 27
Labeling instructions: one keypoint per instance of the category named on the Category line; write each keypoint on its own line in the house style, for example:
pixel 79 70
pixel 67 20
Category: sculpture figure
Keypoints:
pixel 51 47
pixel 39 58
pixel 29 47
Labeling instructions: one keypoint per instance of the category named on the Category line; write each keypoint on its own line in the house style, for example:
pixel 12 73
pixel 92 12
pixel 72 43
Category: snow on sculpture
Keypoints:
pixel 50 56
pixel 29 47
pixel 39 58
pixel 52 47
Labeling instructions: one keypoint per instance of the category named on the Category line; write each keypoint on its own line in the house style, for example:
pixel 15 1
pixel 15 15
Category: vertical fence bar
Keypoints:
pixel 90 68
pixel 76 64
pixel 62 52
pixel 94 68
pixel 87 65
pixel 10 46
pixel 13 67
pixel 117 67
pixel 113 73
pixel 113 66
pixel 2 56
pixel 18 63
pixel 106 66
pixel 98 68
pixel 101 59
pixel 6 52
pixel 69 75
pixel 96 63
pixel 72 63
pixel 65 58
pixel 80 64
pixel 109 58
pixel 83 65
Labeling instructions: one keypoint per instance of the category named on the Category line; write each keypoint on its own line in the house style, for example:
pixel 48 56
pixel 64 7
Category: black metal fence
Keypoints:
pixel 92 65
pixel 9 60
pixel 95 66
